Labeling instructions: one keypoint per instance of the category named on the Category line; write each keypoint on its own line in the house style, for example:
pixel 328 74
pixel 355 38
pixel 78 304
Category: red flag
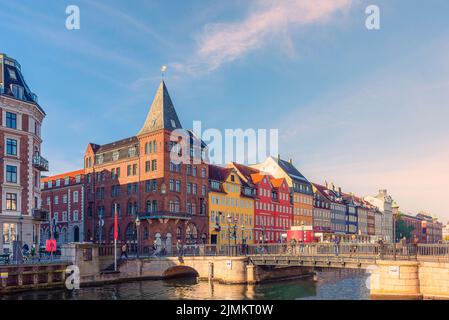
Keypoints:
pixel 115 223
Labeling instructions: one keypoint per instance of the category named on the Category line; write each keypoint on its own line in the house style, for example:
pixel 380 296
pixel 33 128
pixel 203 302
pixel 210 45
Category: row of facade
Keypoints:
pixel 157 198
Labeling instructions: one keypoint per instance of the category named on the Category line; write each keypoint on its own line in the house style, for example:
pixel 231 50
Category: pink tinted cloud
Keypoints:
pixel 225 42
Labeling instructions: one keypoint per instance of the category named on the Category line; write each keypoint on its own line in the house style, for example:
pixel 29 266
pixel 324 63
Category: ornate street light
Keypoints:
pixel 138 234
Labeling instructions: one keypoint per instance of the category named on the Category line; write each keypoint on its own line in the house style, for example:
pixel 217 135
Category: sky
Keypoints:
pixel 365 109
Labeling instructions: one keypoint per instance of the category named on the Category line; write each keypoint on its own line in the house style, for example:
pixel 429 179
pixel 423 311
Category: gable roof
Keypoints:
pixel 218 173
pixel 290 170
pixel 63 175
pixel 162 113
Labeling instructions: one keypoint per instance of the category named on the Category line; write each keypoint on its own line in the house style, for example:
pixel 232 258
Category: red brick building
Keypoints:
pixel 21 162
pixel 273 208
pixel 63 198
pixel 158 199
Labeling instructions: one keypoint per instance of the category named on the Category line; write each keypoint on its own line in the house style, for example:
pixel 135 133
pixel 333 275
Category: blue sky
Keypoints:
pixel 364 109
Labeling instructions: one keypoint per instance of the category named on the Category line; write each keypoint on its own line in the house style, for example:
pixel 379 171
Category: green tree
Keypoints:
pixel 402 229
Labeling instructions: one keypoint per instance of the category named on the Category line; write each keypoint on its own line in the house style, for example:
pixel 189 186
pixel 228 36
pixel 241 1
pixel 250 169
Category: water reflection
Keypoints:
pixel 330 285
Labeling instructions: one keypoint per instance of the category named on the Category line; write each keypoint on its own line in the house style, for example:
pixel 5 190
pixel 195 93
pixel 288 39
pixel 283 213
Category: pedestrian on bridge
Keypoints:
pixel 124 250
pixel 336 241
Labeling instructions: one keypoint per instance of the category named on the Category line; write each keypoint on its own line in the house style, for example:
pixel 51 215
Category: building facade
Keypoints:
pixel 322 222
pixel 301 188
pixel 21 162
pixel 63 198
pixel 231 208
pixel 383 202
pixel 432 229
pixel 156 181
pixel 273 210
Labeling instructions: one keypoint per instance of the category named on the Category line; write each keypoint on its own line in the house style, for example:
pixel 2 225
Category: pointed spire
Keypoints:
pixel 162 114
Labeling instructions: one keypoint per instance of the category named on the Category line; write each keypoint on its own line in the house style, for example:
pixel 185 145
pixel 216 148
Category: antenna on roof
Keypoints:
pixel 163 70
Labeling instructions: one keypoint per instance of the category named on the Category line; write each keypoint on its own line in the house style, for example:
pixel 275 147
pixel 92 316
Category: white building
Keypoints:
pixel 384 202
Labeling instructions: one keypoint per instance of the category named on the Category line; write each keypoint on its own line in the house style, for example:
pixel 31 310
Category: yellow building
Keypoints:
pixel 231 208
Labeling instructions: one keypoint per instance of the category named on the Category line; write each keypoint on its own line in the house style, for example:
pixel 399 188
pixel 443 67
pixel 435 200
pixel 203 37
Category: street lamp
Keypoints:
pixel 138 234
pixel 243 239
pixel 19 244
pixel 229 233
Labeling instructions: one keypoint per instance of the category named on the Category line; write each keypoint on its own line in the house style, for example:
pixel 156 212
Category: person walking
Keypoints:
pixel 124 250
pixel 179 248
pixel 336 241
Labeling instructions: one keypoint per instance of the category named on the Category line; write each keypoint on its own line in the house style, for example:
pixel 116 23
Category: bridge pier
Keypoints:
pixel 395 280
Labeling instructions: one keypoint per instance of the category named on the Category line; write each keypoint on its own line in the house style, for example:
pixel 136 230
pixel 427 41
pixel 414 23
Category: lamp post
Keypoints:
pixel 19 244
pixel 243 239
pixel 229 233
pixel 394 236
pixel 138 235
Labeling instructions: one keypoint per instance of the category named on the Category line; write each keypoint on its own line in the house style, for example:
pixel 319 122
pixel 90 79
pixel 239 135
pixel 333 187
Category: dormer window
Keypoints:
pixel 173 123
pixel 99 159
pixel 12 74
pixel 115 156
pixel 131 152
pixel 17 91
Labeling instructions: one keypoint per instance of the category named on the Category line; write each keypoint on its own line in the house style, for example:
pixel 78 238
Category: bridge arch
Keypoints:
pixel 180 272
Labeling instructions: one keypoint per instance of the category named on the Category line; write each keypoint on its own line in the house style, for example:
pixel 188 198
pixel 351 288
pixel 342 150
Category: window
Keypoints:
pixel 11 201
pixel 128 171
pixel 12 73
pixel 131 152
pixel 11 174
pixel 17 91
pixel 147 166
pixel 11 120
pixel 58 183
pixel 75 196
pixel 64 198
pixel 9 233
pixel 56 200
pixel 75 215
pixel 203 173
pixel 178 186
pixel 134 169
pixel 153 165
pixel 11 147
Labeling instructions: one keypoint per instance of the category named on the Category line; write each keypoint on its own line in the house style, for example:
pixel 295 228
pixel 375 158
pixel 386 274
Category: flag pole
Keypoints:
pixel 115 236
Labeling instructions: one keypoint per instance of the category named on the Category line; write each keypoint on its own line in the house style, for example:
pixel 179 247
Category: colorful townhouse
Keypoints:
pixel 383 202
pixel 371 222
pixel 300 187
pixel 351 214
pixel 63 199
pixel 231 208
pixel 273 210
pixel 156 180
pixel 322 222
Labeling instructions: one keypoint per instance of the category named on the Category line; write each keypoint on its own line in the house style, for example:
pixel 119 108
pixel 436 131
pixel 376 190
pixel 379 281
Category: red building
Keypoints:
pixel 21 161
pixel 157 199
pixel 63 198
pixel 273 208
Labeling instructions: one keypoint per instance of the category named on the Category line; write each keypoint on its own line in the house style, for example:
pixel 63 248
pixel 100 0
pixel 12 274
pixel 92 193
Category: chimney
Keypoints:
pixel 339 190
pixel 332 186
pixel 291 161
pixel 325 184
pixel 279 156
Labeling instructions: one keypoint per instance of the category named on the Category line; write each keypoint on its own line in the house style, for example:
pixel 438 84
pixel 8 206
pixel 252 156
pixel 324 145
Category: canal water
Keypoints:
pixel 344 284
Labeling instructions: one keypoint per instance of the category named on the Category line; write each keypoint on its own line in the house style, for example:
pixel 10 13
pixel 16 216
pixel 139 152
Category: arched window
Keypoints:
pixel 149 206
pixel 129 233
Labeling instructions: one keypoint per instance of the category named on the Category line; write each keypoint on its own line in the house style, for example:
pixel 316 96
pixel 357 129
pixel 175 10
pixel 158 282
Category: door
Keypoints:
pixel 213 239
pixel 76 234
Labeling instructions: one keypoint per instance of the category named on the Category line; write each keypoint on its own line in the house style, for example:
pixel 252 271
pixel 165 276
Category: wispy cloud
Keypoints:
pixel 388 130
pixel 267 21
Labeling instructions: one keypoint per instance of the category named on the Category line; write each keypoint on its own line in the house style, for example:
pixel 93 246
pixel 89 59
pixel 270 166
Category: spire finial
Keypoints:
pixel 163 70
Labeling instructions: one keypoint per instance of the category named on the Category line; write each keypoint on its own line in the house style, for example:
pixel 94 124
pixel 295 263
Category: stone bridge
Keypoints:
pixel 403 275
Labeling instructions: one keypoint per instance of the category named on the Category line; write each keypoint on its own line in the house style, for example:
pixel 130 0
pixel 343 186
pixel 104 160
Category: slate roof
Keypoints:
pixel 162 114
pixel 11 74
pixel 291 170
pixel 120 144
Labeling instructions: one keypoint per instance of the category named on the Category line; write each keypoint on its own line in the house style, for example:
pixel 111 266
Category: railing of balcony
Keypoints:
pixel 40 162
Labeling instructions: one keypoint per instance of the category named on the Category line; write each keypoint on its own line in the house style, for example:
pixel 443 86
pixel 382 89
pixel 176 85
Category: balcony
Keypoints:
pixel 40 163
pixel 40 214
